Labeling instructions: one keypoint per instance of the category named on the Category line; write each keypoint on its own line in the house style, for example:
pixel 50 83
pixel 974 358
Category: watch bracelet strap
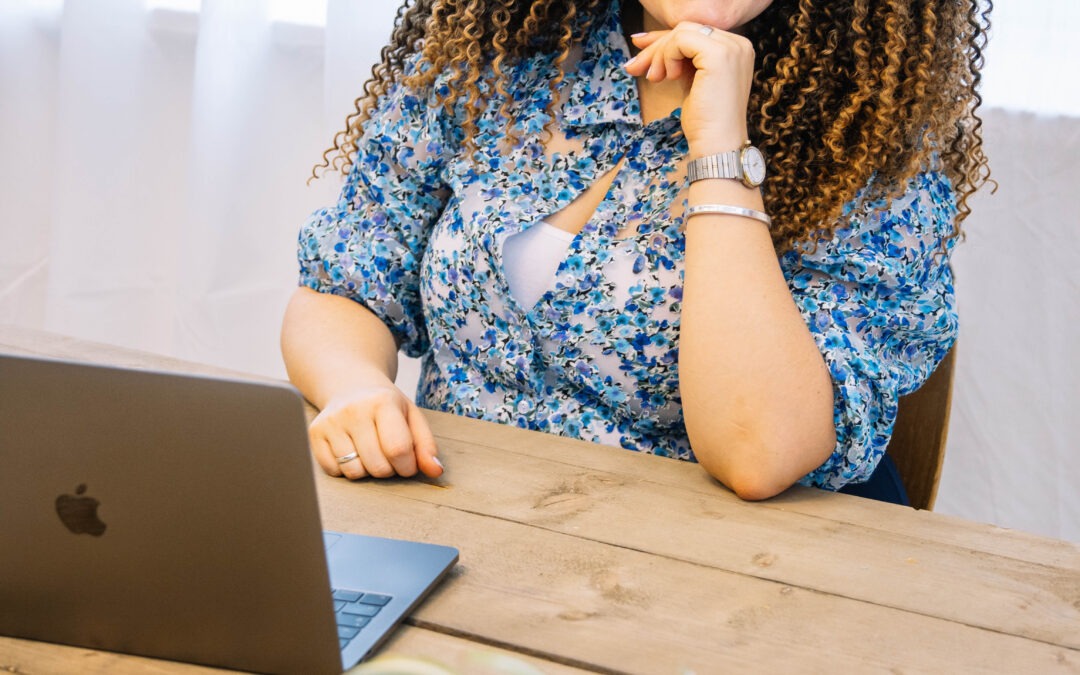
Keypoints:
pixel 720 165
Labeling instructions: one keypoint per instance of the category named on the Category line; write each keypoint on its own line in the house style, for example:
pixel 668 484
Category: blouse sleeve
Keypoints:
pixel 878 299
pixel 369 246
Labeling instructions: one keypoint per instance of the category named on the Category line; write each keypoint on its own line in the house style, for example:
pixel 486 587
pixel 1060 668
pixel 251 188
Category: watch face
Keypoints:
pixel 754 165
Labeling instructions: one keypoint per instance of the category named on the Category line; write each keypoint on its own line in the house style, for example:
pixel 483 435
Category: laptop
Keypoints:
pixel 175 516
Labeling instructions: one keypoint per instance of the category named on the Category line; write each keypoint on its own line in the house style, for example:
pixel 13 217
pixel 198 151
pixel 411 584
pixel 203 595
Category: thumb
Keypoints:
pixel 424 444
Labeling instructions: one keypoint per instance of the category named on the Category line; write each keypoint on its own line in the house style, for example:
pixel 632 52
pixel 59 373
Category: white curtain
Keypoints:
pixel 153 165
pixel 153 157
pixel 1013 456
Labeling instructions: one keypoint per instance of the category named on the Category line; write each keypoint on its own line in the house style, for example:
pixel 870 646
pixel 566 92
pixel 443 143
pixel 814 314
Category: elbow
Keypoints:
pixel 756 489
pixel 757 467
pixel 750 481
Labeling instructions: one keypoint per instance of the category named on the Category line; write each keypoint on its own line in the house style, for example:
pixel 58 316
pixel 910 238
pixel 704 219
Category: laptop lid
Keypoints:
pixel 166 515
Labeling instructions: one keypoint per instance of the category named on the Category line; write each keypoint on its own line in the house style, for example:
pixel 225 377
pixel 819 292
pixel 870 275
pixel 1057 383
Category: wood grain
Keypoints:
pixel 718 530
pixel 609 608
pixel 807 501
pixel 27 657
pixel 459 655
pixel 578 556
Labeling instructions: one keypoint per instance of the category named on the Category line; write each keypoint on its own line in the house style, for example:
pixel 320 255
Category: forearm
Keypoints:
pixel 331 344
pixel 756 393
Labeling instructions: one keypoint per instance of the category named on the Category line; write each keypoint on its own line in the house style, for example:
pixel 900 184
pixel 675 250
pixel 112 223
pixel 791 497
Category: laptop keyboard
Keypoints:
pixel 354 610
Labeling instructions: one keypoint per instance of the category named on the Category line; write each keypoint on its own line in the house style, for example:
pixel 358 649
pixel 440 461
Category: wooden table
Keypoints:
pixel 577 557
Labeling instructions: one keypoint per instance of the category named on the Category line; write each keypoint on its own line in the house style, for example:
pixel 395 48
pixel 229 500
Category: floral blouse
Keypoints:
pixel 418 232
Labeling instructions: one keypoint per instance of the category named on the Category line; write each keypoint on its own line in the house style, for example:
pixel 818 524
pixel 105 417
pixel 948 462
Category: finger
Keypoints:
pixel 343 448
pixel 657 70
pixel 424 444
pixel 714 48
pixel 670 58
pixel 395 439
pixel 642 40
pixel 371 460
pixel 320 449
pixel 684 44
pixel 674 68
pixel 639 64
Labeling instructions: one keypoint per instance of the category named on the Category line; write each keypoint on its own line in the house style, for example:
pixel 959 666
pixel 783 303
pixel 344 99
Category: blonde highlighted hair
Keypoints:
pixel 845 91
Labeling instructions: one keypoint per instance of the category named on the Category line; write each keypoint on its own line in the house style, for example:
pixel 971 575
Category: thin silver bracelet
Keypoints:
pixel 728 211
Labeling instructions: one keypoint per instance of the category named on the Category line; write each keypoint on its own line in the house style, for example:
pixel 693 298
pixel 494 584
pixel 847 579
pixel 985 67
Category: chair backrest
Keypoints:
pixel 918 441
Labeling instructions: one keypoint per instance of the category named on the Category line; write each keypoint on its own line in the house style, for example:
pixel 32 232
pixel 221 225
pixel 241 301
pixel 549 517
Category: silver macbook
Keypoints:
pixel 175 516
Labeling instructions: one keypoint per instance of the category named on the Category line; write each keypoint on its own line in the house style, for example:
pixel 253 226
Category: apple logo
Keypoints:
pixel 79 514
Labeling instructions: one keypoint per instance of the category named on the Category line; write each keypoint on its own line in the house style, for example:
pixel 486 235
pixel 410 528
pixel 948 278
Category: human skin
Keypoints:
pixel 757 396
pixel 726 15
pixel 344 359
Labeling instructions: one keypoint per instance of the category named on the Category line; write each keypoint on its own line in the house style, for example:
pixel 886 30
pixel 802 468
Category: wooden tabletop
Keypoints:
pixel 579 557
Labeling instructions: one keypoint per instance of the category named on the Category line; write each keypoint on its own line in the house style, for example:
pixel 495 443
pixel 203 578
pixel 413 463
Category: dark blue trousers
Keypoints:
pixel 884 485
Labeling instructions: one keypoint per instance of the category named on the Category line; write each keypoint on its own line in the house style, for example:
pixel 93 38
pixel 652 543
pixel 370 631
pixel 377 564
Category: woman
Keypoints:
pixel 580 242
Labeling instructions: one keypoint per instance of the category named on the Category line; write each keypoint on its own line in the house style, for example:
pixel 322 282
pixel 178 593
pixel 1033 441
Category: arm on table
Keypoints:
pixel 756 393
pixel 757 396
pixel 343 358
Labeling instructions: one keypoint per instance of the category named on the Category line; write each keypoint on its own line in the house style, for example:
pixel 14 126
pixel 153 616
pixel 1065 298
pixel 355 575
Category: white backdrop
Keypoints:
pixel 153 155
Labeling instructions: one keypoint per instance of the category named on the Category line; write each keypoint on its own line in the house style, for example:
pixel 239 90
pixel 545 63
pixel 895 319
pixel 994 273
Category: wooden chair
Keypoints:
pixel 918 442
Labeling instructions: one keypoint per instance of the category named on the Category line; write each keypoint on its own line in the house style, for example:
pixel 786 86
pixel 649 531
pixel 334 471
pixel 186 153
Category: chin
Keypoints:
pixel 722 14
pixel 717 17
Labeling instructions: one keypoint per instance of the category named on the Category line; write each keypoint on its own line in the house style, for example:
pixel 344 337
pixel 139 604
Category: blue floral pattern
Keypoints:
pixel 417 238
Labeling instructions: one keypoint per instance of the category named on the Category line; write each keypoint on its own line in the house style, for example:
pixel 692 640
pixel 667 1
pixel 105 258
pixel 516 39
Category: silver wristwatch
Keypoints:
pixel 747 164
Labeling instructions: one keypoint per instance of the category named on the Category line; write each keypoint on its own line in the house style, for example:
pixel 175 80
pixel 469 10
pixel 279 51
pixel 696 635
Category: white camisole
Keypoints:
pixel 531 258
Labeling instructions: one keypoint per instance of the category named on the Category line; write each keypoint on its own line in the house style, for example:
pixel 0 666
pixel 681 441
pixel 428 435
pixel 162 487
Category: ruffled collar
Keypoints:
pixel 601 91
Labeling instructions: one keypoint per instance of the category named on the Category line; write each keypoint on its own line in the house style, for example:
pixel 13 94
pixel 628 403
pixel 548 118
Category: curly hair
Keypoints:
pixel 851 97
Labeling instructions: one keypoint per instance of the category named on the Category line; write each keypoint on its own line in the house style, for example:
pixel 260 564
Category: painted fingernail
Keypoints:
pixel 436 460
pixel 627 64
pixel 637 35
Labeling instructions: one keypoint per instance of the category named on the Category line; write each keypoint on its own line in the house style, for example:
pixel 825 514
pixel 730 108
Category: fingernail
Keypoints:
pixel 436 460
pixel 637 35
pixel 632 59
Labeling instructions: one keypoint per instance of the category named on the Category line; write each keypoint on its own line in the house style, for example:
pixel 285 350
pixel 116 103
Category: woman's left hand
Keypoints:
pixel 716 68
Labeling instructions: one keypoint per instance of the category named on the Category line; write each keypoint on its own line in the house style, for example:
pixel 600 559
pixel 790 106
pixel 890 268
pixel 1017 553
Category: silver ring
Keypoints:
pixel 347 458
pixel 706 30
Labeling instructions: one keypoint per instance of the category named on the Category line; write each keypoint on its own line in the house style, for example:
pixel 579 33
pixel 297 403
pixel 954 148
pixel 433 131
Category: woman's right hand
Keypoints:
pixel 343 358
pixel 384 432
